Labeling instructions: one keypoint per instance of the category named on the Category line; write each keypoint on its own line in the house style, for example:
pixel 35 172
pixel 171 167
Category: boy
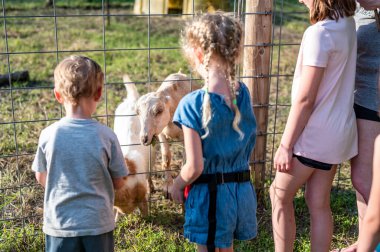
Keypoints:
pixel 80 163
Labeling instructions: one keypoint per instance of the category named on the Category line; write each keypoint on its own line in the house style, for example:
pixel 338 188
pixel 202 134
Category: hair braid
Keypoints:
pixel 206 105
pixel 216 34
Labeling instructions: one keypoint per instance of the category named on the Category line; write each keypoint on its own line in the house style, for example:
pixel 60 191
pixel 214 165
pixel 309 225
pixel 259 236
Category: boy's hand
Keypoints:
pixel 283 159
pixel 41 178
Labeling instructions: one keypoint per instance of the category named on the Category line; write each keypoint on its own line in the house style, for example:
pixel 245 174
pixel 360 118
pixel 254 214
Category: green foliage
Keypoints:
pixel 23 238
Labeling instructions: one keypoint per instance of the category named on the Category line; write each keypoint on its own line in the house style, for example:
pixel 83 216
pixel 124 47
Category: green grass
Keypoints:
pixel 31 105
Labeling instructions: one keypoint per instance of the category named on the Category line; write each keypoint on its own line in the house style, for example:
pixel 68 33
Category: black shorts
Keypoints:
pixel 366 114
pixel 314 164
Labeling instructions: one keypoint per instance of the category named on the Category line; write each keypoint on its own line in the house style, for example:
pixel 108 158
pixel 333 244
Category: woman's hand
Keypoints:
pixel 176 190
pixel 283 159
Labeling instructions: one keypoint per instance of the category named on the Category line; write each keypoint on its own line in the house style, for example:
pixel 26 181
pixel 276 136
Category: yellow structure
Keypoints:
pixel 180 6
pixel 156 6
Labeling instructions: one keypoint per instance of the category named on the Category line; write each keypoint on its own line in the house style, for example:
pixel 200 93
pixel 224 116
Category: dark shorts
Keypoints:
pixel 314 164
pixel 91 243
pixel 366 114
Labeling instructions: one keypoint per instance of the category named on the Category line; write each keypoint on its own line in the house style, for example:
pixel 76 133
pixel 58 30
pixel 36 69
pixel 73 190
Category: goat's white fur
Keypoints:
pixel 127 128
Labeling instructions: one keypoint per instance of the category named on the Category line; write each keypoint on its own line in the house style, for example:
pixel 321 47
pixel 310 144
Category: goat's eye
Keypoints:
pixel 158 112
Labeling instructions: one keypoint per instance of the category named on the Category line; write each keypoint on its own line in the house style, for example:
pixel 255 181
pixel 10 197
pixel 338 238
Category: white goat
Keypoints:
pixel 156 110
pixel 127 129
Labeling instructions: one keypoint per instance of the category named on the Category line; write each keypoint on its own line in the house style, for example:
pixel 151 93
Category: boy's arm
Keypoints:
pixel 118 183
pixel 369 235
pixel 41 178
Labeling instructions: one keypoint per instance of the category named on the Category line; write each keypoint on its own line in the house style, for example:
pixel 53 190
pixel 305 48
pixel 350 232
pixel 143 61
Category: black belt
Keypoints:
pixel 212 180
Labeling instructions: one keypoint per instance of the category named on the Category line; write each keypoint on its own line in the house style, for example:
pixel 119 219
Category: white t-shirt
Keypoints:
pixel 330 136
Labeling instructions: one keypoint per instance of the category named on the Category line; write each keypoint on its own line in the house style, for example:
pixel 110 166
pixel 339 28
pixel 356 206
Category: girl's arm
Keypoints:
pixel 299 115
pixel 41 178
pixel 193 167
pixel 369 235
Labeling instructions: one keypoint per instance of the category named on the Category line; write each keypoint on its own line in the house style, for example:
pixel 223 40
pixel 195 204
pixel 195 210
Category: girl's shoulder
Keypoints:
pixel 193 97
pixel 329 25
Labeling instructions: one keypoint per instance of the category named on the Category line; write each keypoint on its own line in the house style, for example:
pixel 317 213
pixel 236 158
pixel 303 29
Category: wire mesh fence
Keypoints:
pixel 142 43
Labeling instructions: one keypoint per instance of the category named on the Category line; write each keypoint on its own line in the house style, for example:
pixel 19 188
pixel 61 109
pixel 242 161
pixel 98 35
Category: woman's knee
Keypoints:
pixel 317 202
pixel 280 195
pixel 361 183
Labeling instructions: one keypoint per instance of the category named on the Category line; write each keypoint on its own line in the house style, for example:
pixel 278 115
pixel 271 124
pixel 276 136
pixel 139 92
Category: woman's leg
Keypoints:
pixel 203 248
pixel 361 167
pixel 317 197
pixel 282 192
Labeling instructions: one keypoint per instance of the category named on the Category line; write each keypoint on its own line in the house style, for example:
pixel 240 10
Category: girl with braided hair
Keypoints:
pixel 219 134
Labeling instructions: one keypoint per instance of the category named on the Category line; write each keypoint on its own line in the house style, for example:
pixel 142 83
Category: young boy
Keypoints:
pixel 80 163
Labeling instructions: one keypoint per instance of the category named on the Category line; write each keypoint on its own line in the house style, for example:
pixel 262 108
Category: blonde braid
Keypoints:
pixel 206 105
pixel 237 117
pixel 230 51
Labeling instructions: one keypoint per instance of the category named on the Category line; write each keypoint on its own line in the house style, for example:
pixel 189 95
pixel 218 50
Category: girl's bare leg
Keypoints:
pixel 317 197
pixel 282 192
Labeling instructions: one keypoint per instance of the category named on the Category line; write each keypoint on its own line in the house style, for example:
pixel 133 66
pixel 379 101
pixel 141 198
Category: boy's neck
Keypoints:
pixel 83 110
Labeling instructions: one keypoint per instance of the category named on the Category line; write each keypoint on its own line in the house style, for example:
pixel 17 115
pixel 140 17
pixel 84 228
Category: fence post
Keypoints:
pixel 257 50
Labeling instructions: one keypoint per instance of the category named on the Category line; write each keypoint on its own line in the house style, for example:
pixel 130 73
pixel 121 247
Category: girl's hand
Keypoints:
pixel 176 191
pixel 283 159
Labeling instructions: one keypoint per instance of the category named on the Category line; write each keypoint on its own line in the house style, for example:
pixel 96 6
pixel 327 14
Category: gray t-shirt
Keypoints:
pixel 368 60
pixel 81 156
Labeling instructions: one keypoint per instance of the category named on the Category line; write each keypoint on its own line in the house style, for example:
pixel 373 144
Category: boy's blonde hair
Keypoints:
pixel 332 9
pixel 221 35
pixel 76 77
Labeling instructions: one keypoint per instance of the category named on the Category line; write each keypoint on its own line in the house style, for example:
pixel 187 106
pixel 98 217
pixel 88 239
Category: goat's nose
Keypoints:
pixel 144 139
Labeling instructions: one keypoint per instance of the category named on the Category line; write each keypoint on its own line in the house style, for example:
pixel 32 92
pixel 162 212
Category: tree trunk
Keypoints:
pixel 258 31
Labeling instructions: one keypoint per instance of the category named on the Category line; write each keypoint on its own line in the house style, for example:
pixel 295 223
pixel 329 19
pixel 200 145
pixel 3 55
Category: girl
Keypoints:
pixel 321 129
pixel 219 134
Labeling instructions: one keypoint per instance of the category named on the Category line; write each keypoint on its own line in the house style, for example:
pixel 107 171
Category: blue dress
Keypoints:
pixel 222 152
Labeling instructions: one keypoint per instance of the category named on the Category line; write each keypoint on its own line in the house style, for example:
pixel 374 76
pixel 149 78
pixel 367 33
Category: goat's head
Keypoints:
pixel 154 115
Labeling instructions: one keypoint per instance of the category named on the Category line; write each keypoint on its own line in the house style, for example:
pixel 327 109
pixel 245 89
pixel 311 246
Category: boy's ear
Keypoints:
pixel 98 93
pixel 58 96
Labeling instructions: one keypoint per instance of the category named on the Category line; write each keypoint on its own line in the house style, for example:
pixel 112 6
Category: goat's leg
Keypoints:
pixel 166 159
pixel 151 185
pixel 143 206
pixel 116 213
pixel 151 165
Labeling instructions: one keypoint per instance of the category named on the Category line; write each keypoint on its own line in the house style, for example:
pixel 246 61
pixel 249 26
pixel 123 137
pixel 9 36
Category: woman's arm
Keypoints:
pixel 41 178
pixel 193 167
pixel 299 115
pixel 369 4
pixel 369 235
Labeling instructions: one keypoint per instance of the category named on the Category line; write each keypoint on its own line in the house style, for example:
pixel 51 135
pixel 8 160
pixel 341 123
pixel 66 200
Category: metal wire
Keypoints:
pixel 57 51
